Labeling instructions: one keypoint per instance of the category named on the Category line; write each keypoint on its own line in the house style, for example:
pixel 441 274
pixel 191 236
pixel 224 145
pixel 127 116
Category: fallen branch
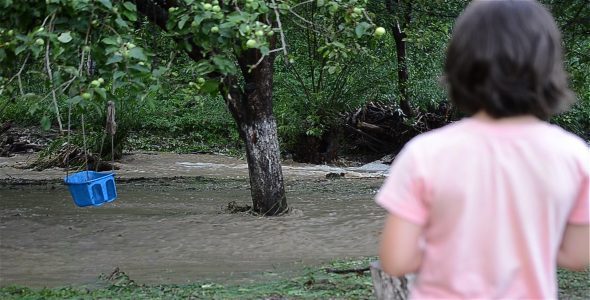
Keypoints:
pixel 346 271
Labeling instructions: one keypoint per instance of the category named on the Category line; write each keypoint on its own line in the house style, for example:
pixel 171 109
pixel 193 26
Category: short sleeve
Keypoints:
pixel 402 193
pixel 580 211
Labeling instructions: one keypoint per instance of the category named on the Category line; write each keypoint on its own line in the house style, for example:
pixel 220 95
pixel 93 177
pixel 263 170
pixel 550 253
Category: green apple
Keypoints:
pixel 10 32
pixel 201 80
pixel 215 2
pixel 215 29
pixel 194 24
pixel 358 10
pixel 216 8
pixel 259 33
pixel 40 42
pixel 86 96
pixel 130 45
pixel 379 31
pixel 100 80
pixel 270 33
pixel 86 48
pixel 251 43
pixel 207 6
pixel 95 83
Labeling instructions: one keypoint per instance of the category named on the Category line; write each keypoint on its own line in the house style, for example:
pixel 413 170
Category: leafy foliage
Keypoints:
pixel 105 50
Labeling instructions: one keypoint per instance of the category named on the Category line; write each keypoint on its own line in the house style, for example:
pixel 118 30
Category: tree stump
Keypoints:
pixel 387 287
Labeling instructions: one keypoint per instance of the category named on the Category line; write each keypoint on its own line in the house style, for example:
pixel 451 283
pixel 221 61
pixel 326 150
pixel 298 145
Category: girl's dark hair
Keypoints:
pixel 505 58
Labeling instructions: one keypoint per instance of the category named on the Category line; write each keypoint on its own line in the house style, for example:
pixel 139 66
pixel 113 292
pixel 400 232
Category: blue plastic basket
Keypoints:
pixel 92 188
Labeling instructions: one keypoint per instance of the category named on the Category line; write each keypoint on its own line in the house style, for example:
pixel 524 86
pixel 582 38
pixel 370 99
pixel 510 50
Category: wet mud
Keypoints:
pixel 176 230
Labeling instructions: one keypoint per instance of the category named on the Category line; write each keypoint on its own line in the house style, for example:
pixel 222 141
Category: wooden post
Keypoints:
pixel 387 287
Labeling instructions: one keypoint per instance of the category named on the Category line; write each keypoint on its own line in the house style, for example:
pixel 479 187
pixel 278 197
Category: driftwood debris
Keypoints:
pixel 72 157
pixel 358 271
pixel 22 140
pixel 383 128
pixel 387 287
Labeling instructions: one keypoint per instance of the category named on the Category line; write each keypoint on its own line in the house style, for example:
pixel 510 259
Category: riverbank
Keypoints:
pixel 162 165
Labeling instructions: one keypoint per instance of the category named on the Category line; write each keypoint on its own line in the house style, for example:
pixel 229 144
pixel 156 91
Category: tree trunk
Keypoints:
pixel 403 12
pixel 251 108
pixel 387 287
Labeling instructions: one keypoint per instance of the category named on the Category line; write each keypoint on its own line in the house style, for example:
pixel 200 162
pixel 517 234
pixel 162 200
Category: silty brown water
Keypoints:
pixel 175 231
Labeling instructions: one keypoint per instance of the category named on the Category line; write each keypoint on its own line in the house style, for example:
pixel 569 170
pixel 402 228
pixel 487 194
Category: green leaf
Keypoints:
pixel 210 86
pixel 121 23
pixel 131 16
pixel 225 65
pixel 361 29
pixel 264 50
pixel 71 70
pixel 110 41
pixel 101 92
pixel 204 67
pixel 74 100
pixel 137 53
pixel 33 108
pixel 114 59
pixel 65 37
pixel 140 68
pixel 106 3
pixel 20 49
pixel 118 74
pixel 159 71
pixel 182 21
pixel 45 123
pixel 198 19
pixel 339 45
pixel 130 6
pixel 332 69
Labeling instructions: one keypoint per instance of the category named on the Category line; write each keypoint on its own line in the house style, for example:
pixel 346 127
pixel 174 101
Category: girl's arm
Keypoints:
pixel 400 251
pixel 574 252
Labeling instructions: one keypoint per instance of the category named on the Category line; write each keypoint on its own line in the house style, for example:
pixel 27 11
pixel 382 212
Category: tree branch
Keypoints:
pixel 50 75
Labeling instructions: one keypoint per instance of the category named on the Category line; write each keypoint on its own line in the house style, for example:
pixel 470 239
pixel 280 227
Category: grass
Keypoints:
pixel 313 283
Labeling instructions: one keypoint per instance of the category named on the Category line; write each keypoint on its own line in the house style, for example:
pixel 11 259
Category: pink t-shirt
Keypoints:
pixel 494 200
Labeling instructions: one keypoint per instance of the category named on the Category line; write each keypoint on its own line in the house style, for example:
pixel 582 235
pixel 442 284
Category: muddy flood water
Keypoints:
pixel 176 231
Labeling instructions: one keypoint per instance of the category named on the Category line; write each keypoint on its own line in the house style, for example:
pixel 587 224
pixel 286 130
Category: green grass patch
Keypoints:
pixel 312 283
pixel 574 285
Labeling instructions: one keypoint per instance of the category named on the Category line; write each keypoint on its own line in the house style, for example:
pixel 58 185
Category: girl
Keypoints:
pixel 488 206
